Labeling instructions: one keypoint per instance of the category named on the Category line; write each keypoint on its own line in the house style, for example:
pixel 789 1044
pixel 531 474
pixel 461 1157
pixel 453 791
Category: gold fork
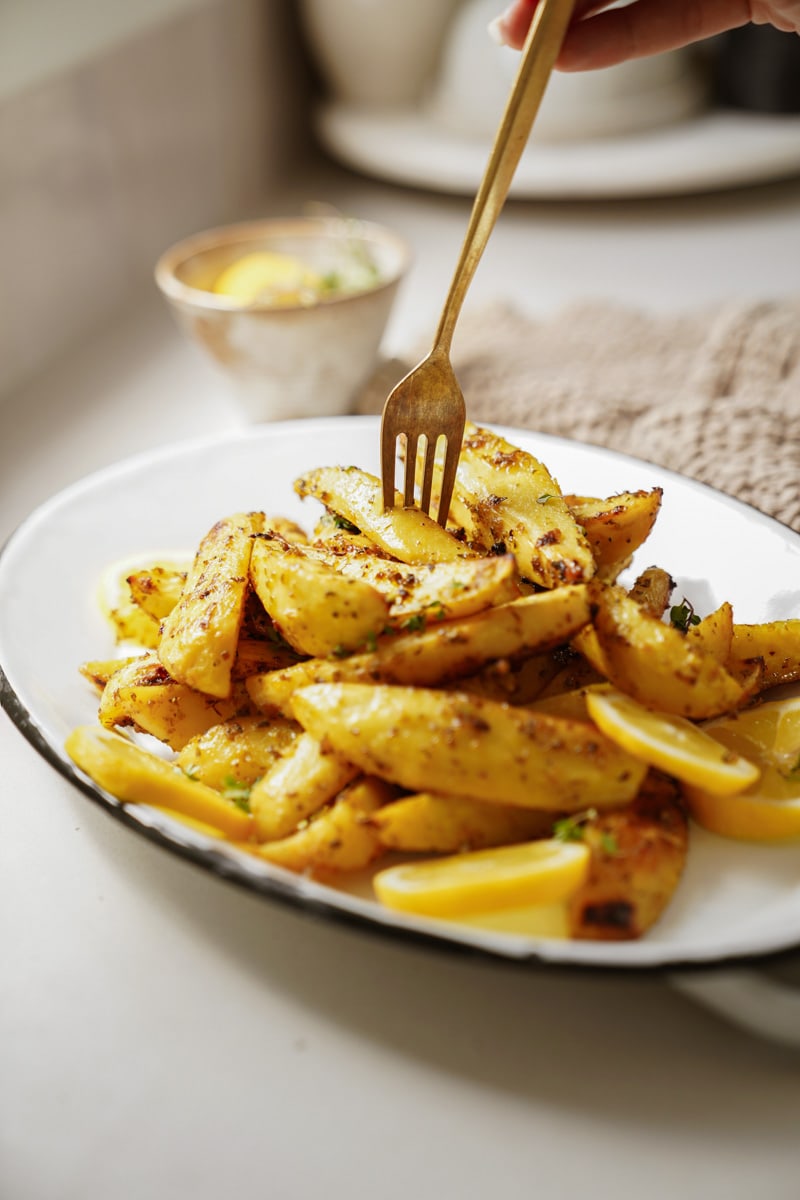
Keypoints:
pixel 428 403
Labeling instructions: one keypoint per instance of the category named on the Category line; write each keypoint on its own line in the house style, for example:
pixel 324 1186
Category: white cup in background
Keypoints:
pixel 377 53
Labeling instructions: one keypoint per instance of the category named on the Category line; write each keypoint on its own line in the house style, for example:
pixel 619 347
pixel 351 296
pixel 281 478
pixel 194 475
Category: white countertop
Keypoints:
pixel 165 1035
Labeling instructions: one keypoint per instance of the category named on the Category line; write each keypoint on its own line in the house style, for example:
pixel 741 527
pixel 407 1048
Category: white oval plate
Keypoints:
pixel 736 901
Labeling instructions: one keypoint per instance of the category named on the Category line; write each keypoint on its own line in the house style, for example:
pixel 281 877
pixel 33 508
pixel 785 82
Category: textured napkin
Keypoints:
pixel 714 394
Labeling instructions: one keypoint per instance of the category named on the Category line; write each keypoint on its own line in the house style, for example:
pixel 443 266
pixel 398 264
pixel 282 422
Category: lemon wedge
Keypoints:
pixel 265 277
pixel 671 743
pixel 507 877
pixel 768 810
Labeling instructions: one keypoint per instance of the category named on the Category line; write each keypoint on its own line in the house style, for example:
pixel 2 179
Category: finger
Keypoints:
pixel 512 27
pixel 647 27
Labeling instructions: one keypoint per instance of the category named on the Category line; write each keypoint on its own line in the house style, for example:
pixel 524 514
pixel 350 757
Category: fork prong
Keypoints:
pixel 451 453
pixel 388 456
pixel 427 474
pixel 412 442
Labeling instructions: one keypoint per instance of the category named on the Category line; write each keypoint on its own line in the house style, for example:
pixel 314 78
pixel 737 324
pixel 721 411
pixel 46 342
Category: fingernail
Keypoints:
pixel 497 28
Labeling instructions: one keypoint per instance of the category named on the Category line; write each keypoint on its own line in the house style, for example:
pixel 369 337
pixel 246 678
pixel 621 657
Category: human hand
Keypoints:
pixel 600 37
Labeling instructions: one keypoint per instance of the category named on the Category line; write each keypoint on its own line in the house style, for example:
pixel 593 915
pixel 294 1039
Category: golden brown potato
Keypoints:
pixel 306 776
pixel 453 589
pixel 455 743
pixel 443 652
pixel 99 671
pixel 512 500
pixel 407 534
pixel 655 663
pixel 315 608
pixel 775 644
pixel 143 694
pixel 237 752
pixel 652 590
pixel 199 636
pixel 638 857
pixel 157 589
pixel 714 634
pixel 338 838
pixel 436 824
pixel 616 527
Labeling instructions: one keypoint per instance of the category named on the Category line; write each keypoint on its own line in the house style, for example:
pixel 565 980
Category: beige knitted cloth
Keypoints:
pixel 713 394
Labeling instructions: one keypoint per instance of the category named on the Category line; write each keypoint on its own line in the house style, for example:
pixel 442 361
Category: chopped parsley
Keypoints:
pixel 682 616
pixel 343 523
pixel 545 497
pixel 415 622
pixel 237 792
pixel 571 829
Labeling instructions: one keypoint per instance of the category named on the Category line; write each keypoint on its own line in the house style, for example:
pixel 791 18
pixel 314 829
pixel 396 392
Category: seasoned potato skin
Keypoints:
pixel 638 856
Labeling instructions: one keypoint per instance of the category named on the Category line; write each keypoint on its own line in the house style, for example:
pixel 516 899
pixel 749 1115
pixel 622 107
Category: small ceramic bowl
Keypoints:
pixel 302 359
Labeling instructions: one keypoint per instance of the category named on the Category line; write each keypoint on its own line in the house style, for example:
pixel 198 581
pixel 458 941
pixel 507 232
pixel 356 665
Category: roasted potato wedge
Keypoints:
pixel 652 590
pixel 775 645
pixel 434 824
pixel 338 838
pixel 655 663
pixel 441 653
pixel 199 636
pixel 615 528
pixel 450 589
pixel 315 608
pixel 452 742
pixel 307 775
pixel 638 856
pixel 407 534
pixel 513 501
pixel 236 752
pixel 143 695
pixel 157 589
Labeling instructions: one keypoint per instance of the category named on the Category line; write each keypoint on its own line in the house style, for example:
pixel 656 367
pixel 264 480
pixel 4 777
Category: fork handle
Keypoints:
pixel 545 36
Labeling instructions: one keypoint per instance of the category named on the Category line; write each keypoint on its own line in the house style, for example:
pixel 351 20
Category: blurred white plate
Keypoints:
pixel 735 902
pixel 713 151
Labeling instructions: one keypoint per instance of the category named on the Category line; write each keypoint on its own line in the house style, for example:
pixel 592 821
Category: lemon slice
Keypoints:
pixel 264 277
pixel 769 810
pixel 671 743
pixel 541 872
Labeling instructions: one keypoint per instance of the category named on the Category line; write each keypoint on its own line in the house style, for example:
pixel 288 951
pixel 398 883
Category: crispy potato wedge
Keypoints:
pixel 774 644
pixel 652 590
pixel 306 776
pixel 512 500
pixel 428 823
pixel 654 662
pixel 199 636
pixel 452 589
pixel 143 694
pixel 616 527
pixel 289 530
pixel 99 671
pixel 134 775
pixel 441 653
pixel 157 589
pixel 714 634
pixel 407 534
pixel 340 837
pixel 638 856
pixel 315 608
pixel 236 752
pixel 452 742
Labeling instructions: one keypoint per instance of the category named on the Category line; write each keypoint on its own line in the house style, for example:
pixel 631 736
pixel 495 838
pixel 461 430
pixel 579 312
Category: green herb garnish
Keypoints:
pixel 237 792
pixel 571 829
pixel 683 615
pixel 343 523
